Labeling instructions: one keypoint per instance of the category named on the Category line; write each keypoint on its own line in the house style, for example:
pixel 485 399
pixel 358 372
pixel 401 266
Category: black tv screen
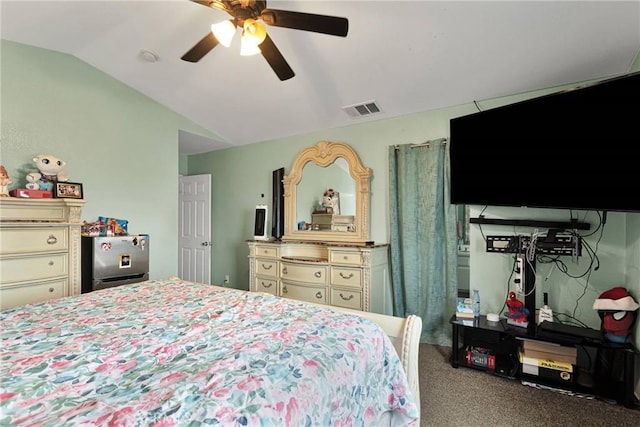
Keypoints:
pixel 575 149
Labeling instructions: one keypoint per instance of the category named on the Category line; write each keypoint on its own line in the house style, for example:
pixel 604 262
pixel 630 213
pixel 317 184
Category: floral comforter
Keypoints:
pixel 163 353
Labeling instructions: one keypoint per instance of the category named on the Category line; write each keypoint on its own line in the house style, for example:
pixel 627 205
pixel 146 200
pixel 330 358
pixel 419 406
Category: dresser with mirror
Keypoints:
pixel 325 255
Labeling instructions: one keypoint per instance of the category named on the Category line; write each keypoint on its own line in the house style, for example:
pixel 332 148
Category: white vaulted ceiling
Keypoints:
pixel 408 56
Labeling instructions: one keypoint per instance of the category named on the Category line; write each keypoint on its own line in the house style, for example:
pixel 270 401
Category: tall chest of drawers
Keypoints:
pixel 342 275
pixel 39 249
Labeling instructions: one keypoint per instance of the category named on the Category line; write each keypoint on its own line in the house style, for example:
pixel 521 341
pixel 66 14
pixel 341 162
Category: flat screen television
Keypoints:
pixel 574 149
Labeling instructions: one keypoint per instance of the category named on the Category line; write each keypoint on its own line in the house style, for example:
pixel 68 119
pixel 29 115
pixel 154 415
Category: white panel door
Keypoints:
pixel 194 215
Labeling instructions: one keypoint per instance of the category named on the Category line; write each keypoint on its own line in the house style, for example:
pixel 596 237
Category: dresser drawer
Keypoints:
pixel 305 293
pixel 345 257
pixel 345 276
pixel 346 298
pixel 267 251
pixel 34 210
pixel 307 273
pixel 26 294
pixel 46 239
pixel 266 267
pixel 266 285
pixel 33 267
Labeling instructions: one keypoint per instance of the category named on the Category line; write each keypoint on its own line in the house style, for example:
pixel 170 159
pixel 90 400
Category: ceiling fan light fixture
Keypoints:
pixel 252 16
pixel 248 46
pixel 255 29
pixel 224 32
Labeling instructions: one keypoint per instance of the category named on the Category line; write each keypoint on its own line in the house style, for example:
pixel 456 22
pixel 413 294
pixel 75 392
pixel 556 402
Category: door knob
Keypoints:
pixel 206 243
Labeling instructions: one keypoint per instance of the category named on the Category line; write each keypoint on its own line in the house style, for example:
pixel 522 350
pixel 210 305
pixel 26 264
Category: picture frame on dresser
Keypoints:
pixel 67 190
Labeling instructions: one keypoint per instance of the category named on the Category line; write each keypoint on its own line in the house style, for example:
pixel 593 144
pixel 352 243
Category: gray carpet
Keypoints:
pixel 469 397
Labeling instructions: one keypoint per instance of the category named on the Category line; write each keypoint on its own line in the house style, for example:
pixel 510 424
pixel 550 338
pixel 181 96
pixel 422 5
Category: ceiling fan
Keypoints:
pixel 250 15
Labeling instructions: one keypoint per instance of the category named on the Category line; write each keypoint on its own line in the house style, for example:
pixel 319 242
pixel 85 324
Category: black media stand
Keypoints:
pixel 602 369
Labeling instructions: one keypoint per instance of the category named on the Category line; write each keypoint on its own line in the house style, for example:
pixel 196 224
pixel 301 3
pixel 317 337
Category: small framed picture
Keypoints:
pixel 125 261
pixel 67 190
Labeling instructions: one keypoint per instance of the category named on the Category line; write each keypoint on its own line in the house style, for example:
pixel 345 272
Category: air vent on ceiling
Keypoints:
pixel 363 109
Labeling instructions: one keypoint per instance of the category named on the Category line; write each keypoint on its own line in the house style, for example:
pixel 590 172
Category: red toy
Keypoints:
pixel 616 308
pixel 517 312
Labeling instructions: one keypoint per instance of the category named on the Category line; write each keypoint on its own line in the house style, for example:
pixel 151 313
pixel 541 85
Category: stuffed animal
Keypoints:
pixel 331 201
pixel 32 181
pixel 50 168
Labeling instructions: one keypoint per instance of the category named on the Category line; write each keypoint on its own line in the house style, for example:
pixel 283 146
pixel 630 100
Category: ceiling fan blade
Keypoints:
pixel 332 25
pixel 275 59
pixel 201 48
pixel 203 2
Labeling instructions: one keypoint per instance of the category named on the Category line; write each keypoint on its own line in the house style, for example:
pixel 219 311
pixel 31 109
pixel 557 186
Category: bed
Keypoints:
pixel 172 352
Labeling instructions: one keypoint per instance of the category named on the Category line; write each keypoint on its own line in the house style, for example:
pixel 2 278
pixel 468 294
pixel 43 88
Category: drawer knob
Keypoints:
pixel 267 267
pixel 345 257
pixel 318 274
pixel 50 262
pixel 284 270
pixel 319 295
pixel 346 299
pixel 284 290
pixel 266 285
pixel 344 276
pixel 51 289
pixel 52 240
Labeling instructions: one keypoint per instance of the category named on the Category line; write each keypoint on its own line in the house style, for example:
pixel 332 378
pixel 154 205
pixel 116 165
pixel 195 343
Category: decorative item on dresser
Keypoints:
pixel 329 259
pixel 39 249
pixel 67 190
pixel 5 182
pixel 334 222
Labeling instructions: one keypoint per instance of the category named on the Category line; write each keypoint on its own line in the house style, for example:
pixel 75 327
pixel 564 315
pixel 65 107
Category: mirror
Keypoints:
pixel 316 180
pixel 463 222
pixel 326 195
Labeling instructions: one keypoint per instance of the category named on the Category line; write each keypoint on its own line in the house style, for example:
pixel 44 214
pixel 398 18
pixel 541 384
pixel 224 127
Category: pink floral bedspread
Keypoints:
pixel 163 353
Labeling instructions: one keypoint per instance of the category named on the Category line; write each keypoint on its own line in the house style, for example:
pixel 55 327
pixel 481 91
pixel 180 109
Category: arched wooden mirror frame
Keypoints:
pixel 324 154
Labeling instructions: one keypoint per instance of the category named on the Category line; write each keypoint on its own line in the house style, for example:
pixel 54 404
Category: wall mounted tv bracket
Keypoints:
pixel 568 225
pixel 554 243
pixel 551 244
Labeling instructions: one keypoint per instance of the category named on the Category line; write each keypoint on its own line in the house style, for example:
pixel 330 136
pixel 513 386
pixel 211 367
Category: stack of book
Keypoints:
pixel 464 308
pixel 548 360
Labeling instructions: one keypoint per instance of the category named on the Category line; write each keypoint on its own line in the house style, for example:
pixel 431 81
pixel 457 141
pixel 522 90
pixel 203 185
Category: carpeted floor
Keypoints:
pixel 469 397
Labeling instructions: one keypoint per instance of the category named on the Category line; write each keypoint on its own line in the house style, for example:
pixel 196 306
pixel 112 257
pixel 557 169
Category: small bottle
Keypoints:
pixel 476 303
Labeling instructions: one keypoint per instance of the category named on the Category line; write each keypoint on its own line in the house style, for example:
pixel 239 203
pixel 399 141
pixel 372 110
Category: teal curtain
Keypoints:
pixel 423 237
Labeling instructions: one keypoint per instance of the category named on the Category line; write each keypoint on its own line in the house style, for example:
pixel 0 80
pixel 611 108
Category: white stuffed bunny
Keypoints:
pixel 32 181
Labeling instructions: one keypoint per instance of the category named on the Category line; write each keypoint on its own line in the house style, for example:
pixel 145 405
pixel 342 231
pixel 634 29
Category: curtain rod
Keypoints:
pixel 426 143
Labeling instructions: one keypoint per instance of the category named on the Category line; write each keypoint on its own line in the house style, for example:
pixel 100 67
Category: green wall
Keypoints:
pixel 121 145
